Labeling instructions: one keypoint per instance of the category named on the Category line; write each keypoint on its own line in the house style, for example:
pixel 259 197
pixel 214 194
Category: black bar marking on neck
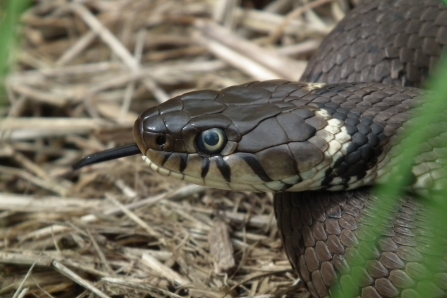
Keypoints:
pixel 256 167
pixel 205 167
pixel 223 167
pixel 183 161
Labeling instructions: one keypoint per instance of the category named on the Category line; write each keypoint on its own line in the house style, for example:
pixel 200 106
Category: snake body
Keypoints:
pixel 315 144
pixel 391 42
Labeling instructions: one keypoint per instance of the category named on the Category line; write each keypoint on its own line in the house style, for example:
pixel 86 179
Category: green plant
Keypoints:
pixel 10 12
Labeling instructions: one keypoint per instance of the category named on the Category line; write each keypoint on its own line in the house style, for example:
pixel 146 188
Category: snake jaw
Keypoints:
pixel 262 187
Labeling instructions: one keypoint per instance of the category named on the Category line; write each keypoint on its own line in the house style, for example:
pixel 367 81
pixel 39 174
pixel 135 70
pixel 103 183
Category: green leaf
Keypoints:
pixel 10 11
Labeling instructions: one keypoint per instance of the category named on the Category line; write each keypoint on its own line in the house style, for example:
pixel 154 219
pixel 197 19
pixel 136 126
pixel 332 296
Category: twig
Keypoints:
pixel 77 279
pixel 248 57
pixel 115 45
pixel 133 216
pixel 275 35
pixel 163 271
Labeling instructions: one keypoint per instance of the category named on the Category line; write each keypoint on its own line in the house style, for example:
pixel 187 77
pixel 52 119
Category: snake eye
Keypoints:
pixel 211 141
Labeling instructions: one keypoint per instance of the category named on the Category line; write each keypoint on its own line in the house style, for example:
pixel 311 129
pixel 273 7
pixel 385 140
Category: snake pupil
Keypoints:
pixel 211 138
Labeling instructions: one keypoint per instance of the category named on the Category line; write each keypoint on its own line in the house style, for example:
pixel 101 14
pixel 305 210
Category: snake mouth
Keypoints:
pixel 188 178
pixel 193 173
pixel 161 170
pixel 194 177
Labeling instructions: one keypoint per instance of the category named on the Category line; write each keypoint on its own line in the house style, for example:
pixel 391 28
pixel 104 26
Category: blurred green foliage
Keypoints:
pixel 10 11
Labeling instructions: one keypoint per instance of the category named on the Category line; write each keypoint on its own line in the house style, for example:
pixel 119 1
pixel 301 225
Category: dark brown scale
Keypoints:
pixel 392 42
pixel 329 230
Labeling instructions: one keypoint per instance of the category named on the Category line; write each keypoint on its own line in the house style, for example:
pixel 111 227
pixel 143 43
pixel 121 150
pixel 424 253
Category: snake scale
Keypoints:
pixel 319 145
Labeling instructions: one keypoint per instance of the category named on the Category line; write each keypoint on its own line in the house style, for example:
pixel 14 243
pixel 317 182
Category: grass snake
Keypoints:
pixel 318 144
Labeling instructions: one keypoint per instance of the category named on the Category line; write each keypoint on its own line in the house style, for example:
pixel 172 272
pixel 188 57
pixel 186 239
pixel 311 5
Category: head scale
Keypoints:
pixel 232 139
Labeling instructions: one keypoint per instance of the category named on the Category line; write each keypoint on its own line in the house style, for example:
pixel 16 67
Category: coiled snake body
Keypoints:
pixel 316 143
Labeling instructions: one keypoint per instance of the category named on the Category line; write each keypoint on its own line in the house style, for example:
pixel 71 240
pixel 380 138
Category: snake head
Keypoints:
pixel 187 137
pixel 269 136
pixel 236 138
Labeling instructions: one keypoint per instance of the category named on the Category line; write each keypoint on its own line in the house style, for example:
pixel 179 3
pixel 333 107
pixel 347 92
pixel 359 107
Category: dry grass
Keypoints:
pixel 116 229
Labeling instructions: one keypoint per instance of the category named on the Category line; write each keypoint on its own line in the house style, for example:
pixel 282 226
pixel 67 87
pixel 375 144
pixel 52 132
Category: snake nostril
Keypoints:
pixel 160 140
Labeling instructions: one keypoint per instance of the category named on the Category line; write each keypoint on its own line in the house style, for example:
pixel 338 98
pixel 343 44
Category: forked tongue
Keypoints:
pixel 106 155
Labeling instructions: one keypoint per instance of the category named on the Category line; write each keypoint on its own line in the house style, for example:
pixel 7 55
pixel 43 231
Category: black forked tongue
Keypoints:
pixel 106 155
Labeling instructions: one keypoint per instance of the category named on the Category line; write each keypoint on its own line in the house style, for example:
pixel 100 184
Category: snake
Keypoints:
pixel 319 144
